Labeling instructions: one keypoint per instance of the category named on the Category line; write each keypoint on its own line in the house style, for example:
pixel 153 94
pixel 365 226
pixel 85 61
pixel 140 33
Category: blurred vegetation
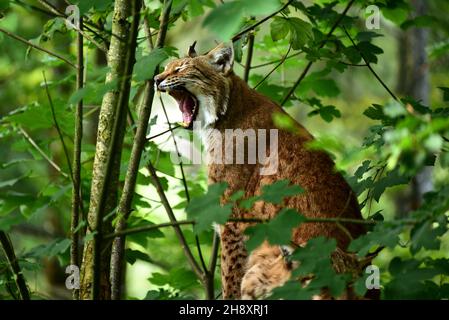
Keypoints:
pixel 379 143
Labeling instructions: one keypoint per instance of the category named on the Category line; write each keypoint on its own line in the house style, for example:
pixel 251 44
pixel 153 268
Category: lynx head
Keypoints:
pixel 200 84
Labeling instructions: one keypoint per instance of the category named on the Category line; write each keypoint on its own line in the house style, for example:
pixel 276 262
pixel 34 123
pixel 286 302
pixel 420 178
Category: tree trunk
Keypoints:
pixel 116 62
pixel 413 81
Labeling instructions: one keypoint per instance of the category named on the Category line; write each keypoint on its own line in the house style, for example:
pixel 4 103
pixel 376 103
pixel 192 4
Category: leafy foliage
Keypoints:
pixel 399 138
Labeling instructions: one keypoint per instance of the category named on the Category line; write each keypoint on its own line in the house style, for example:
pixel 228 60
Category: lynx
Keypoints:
pixel 207 90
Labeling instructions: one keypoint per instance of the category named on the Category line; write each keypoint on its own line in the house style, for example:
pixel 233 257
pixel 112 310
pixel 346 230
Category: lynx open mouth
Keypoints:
pixel 188 104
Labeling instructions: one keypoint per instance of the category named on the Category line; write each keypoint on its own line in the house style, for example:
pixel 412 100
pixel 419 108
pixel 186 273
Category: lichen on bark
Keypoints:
pixel 116 62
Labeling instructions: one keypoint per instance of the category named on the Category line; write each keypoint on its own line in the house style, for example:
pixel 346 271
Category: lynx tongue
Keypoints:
pixel 187 107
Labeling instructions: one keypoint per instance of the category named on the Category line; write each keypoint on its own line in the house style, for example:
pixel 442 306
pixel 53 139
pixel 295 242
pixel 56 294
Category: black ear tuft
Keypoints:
pixel 192 52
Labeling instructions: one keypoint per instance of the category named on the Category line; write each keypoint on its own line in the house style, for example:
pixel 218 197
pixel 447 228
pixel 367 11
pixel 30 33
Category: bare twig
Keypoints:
pixel 35 46
pixel 254 26
pixel 58 128
pixel 150 227
pixel 146 24
pixel 274 69
pixel 77 202
pixel 369 65
pixel 42 153
pixel 277 60
pixel 196 268
pixel 163 132
pixel 8 249
pixel 249 56
pixel 307 68
pixel 210 275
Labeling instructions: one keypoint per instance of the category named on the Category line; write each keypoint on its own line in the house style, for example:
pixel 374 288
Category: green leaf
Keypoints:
pixel 146 65
pixel 393 178
pixel 292 290
pixel 425 235
pixel 52 249
pixel 410 280
pixel 260 7
pixel 276 192
pixel 383 234
pixel 178 278
pixel 369 51
pixel 277 231
pixel 424 21
pixel 161 160
pixel 445 93
pixel 321 86
pixel 394 109
pixel 301 32
pixel 4 5
pixel 397 15
pixel 375 112
pixel 207 209
pixel 285 122
pixel 279 28
pixel 6 222
pixel 316 252
pixel 11 182
pixel 93 92
pixel 225 19
pixel 132 256
pixel 160 294
pixel 38 116
pixel 315 259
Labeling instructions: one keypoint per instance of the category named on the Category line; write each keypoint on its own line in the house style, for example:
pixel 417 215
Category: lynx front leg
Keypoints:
pixel 266 269
pixel 233 260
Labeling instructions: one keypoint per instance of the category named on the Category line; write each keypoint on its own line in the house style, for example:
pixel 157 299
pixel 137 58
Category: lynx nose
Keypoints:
pixel 158 80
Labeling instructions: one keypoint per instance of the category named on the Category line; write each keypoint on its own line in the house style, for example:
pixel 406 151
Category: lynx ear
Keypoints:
pixel 222 58
pixel 192 52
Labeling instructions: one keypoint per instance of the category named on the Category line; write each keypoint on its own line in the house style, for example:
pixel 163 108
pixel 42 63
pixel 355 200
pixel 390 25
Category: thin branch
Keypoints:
pixel 146 24
pixel 42 153
pixel 58 128
pixel 252 27
pixel 51 7
pixel 35 46
pixel 77 202
pixel 195 267
pixel 249 56
pixel 210 275
pixel 8 249
pixel 150 227
pixel 369 65
pixel 163 132
pixel 307 68
pixel 274 69
pixel 277 60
